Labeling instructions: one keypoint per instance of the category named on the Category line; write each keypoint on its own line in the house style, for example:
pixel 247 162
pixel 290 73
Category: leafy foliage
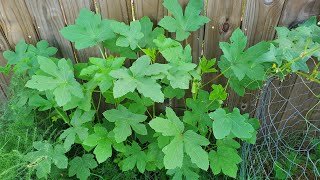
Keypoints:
pixel 134 157
pixel 80 166
pixel 225 124
pixel 141 76
pixel 102 142
pixel 125 121
pixel 226 158
pixel 58 78
pixel 46 155
pixel 133 131
pixel 188 142
pixel 129 35
pixel 98 72
pixel 207 66
pixel 244 67
pixel 77 130
pixel 199 117
pixel 149 34
pixel 25 56
pixel 179 59
pixel 89 30
pixel 183 23
pixel 290 43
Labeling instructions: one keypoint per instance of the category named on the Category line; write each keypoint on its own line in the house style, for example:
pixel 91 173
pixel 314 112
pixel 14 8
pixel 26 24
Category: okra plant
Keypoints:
pixel 145 70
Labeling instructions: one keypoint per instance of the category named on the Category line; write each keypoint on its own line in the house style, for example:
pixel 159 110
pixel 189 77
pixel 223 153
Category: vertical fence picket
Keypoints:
pixel 151 8
pixel 296 12
pixel 15 25
pixel 71 10
pixel 48 20
pixel 260 19
pixel 300 101
pixel 120 10
pixel 259 22
pixel 225 17
pixel 196 38
pixel 16 22
pixel 4 80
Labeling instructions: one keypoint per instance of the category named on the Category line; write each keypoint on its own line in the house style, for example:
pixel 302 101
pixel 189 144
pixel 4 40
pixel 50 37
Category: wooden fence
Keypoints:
pixel 33 20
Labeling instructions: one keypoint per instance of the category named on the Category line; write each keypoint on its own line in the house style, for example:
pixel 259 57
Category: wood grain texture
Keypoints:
pixel 42 19
pixel 260 19
pixel 119 10
pixel 16 22
pixel 196 38
pixel 4 79
pixel 297 11
pixel 15 25
pixel 48 19
pixel 71 10
pixel 259 22
pixel 4 45
pixel 151 8
pixel 302 99
pixel 225 17
pixel 280 93
pixel 293 13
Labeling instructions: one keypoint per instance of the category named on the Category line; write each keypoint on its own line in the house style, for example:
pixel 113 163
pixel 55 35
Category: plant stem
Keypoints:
pixel 63 115
pixel 298 58
pixel 215 77
pixel 210 131
pixel 102 54
pixel 94 107
pixel 154 110
pixel 99 102
pixel 149 114
pixel 307 44
pixel 225 88
pixel 308 77
pixel 100 177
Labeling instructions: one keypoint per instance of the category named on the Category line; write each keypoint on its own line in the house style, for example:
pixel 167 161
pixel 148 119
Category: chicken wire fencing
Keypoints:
pixel 288 142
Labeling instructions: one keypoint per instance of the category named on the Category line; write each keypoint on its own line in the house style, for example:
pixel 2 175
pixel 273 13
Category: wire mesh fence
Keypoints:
pixel 288 143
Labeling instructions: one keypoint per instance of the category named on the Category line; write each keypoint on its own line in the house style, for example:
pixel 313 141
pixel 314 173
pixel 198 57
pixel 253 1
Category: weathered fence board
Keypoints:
pixel 120 10
pixel 225 17
pixel 293 13
pixel 33 20
pixel 301 100
pixel 15 25
pixel 4 80
pixel 260 19
pixel 48 20
pixel 16 22
pixel 297 11
pixel 196 38
pixel 70 10
pixel 151 8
